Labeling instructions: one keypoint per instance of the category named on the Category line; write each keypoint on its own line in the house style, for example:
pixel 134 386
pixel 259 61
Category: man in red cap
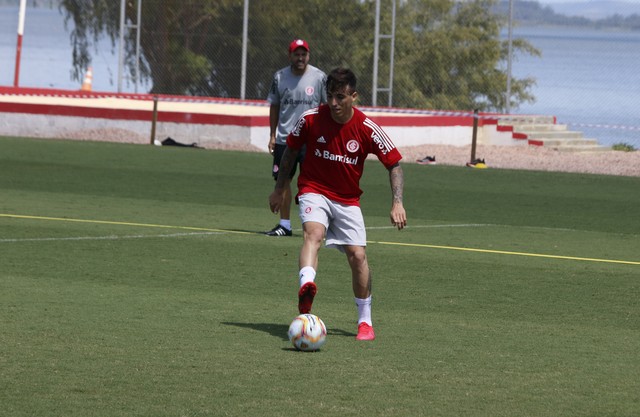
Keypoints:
pixel 294 90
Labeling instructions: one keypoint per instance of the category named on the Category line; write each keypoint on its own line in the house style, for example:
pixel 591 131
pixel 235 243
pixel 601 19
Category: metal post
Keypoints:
pixel 376 51
pixel 121 49
pixel 154 119
pixel 138 30
pixel 391 53
pixel 474 138
pixel 245 31
pixel 123 27
pixel 21 16
pixel 509 59
pixel 376 55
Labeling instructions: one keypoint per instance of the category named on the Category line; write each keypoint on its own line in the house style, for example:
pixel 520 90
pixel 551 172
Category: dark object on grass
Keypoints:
pixel 171 142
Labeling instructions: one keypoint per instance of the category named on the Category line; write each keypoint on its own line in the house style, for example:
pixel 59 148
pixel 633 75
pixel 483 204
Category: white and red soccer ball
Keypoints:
pixel 307 332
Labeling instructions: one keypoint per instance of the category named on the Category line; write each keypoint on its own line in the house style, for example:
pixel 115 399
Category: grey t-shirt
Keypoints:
pixel 296 94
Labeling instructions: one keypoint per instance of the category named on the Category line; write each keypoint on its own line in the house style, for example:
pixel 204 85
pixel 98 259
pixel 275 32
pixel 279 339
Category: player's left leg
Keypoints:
pixel 360 273
pixel 361 282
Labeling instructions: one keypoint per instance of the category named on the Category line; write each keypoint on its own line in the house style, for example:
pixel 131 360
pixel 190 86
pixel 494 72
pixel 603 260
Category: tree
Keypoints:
pixel 453 54
pixel 448 54
pixel 174 37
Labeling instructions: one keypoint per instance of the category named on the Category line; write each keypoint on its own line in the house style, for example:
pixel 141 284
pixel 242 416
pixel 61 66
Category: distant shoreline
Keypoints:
pixel 526 13
pixel 538 25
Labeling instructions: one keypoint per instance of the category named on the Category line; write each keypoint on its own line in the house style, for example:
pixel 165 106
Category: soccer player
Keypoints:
pixel 338 137
pixel 294 89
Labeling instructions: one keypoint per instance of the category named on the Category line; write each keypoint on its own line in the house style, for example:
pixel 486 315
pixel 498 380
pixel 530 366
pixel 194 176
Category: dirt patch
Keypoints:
pixel 535 158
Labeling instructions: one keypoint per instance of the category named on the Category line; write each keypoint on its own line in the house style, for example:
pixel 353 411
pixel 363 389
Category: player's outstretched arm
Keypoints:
pixel 398 214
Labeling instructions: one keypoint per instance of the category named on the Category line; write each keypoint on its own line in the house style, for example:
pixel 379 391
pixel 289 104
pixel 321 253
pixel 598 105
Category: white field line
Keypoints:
pixel 110 237
pixel 172 235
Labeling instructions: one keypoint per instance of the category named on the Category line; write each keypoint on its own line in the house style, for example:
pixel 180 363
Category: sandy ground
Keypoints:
pixel 535 158
pixel 532 158
pixel 524 157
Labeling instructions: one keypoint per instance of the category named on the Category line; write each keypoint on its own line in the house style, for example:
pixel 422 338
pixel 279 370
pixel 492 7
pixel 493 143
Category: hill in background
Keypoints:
pixel 597 9
pixel 614 14
pixel 594 13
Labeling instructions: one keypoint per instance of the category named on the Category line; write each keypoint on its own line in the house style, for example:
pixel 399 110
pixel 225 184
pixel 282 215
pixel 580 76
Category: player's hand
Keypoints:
pixel 398 216
pixel 275 200
pixel 272 144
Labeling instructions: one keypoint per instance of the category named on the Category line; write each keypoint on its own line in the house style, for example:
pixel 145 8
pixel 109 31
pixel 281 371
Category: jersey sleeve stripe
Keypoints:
pixel 388 144
pixel 310 111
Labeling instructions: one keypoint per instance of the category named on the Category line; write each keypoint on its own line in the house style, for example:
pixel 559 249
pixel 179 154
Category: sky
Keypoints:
pixel 586 1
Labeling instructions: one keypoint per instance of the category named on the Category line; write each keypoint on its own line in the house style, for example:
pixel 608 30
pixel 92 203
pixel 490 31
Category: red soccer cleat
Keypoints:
pixel 305 297
pixel 365 332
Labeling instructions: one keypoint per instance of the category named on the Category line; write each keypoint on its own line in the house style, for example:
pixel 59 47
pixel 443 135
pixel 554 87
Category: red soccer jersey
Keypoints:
pixel 335 155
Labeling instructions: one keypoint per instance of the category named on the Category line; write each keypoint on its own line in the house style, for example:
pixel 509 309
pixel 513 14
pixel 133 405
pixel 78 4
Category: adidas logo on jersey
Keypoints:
pixel 321 139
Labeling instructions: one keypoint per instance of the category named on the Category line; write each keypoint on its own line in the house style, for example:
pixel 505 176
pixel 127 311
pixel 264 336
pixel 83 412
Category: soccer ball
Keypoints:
pixel 307 332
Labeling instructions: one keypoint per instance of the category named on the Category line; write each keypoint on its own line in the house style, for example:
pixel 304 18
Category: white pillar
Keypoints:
pixel 21 16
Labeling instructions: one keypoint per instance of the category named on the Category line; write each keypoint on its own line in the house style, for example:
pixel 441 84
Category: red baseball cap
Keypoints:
pixel 298 43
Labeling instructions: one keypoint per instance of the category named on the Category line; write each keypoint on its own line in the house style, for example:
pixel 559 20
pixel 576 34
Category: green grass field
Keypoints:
pixel 133 282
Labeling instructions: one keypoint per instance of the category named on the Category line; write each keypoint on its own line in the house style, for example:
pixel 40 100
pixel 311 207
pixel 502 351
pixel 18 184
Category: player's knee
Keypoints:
pixel 314 236
pixel 357 256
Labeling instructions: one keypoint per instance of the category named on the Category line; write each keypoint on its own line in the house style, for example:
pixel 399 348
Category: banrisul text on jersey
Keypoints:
pixel 340 158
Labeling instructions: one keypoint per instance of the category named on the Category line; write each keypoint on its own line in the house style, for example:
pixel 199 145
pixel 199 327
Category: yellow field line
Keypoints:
pixel 416 245
pixel 162 226
pixel 503 252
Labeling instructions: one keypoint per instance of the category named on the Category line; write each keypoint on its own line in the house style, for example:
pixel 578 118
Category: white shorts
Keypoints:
pixel 344 224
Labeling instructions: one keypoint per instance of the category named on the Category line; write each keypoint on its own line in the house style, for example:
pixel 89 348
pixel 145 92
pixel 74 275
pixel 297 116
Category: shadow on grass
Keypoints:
pixel 280 330
pixel 277 330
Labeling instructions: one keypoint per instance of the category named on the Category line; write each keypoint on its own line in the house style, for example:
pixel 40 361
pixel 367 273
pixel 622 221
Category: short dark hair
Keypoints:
pixel 340 78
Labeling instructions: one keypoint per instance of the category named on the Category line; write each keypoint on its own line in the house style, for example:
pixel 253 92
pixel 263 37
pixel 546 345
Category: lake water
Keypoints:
pixel 588 79
pixel 46 54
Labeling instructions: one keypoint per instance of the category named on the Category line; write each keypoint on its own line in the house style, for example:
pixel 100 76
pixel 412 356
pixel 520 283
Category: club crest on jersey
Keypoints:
pixel 353 146
pixel 310 90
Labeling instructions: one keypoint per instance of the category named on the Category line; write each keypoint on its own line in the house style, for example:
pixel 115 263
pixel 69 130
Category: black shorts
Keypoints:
pixel 277 157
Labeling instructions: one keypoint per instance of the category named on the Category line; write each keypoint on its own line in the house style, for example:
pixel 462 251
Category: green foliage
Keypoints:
pixel 91 20
pixel 448 55
pixel 625 147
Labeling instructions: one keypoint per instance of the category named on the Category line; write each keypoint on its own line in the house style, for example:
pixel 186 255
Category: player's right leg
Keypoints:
pixel 314 219
pixel 313 235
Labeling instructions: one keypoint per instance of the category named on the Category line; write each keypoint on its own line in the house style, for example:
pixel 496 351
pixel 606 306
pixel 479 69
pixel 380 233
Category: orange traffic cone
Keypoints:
pixel 88 79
